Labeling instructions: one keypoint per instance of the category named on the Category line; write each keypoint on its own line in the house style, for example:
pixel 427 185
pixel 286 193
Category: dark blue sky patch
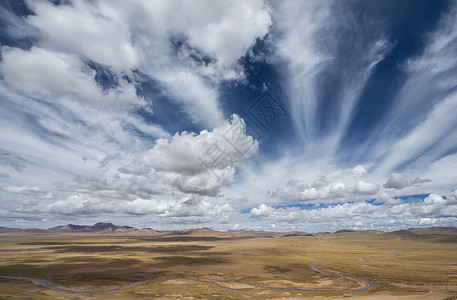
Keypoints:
pixel 244 99
pixel 407 24
pixel 14 31
pixel 104 77
pixel 166 112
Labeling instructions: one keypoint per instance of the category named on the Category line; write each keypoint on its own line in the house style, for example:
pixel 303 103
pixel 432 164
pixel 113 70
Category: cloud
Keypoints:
pixel 104 162
pixel 197 49
pixel 13 25
pixel 365 187
pixel 418 181
pixel 399 181
pixel 34 192
pixel 192 51
pixel 161 210
pixel 59 75
pixel 4 175
pixel 333 186
pixel 327 191
pixel 396 181
pixel 262 211
pixel 222 31
pixel 184 168
pixel 434 207
pixel 359 171
pixel 434 198
pixel 309 44
pixel 102 35
pixel 11 160
pixel 209 157
pixel 423 106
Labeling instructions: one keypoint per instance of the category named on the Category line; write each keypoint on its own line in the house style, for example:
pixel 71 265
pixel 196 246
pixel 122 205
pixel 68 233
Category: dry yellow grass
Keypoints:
pixel 423 267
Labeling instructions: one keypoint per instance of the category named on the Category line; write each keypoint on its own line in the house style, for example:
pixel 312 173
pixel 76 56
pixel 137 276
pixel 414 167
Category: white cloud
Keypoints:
pixel 434 198
pixel 433 210
pixel 193 93
pixel 396 181
pixel 102 33
pixel 418 181
pixel 262 211
pixel 209 157
pixel 427 221
pixel 223 31
pixel 209 39
pixel 366 187
pixel 333 186
pixel 332 190
pixel 161 210
pixel 59 75
pixel 34 192
pixel 359 171
pixel 170 179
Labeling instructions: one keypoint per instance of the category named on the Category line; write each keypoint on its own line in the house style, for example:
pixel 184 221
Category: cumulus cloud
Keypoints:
pixel 183 168
pixel 209 158
pixel 222 31
pixel 434 208
pixel 34 192
pixel 262 211
pixel 434 198
pixel 194 49
pixel 418 181
pixel 359 171
pixel 396 181
pixel 365 187
pixel 60 75
pixel 399 181
pixel 102 33
pixel 86 205
pixel 331 190
pixel 333 186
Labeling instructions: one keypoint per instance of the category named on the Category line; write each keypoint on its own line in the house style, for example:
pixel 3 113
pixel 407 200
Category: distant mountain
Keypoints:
pixel 19 230
pixel 344 231
pixel 298 234
pixel 67 228
pixel 100 226
pixel 205 231
pixel 358 231
pixel 197 231
pixel 435 228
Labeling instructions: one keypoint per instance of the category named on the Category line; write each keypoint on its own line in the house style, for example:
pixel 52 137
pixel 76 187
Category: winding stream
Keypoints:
pixel 367 285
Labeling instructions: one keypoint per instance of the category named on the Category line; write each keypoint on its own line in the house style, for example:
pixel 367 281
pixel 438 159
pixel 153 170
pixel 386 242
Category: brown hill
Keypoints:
pixel 100 226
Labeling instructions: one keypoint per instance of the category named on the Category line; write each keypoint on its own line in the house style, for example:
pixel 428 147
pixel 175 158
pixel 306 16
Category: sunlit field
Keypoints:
pixel 401 265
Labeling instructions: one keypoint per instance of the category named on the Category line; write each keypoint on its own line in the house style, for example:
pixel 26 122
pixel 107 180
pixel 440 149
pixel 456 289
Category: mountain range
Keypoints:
pixel 110 227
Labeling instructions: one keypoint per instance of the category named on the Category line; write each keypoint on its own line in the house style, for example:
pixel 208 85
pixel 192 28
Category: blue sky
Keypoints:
pixel 294 115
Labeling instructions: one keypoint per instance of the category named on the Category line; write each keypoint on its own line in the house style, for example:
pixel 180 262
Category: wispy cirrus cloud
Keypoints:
pixel 34 192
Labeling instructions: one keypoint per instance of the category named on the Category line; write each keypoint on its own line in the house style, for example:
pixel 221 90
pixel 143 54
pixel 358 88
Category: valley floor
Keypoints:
pixel 228 265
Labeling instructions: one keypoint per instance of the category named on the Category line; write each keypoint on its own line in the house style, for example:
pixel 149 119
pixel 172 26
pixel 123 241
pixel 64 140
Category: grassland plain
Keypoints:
pixel 403 265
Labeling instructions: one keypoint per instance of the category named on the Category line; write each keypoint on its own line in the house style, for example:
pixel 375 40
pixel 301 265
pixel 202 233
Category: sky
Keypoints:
pixel 267 115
